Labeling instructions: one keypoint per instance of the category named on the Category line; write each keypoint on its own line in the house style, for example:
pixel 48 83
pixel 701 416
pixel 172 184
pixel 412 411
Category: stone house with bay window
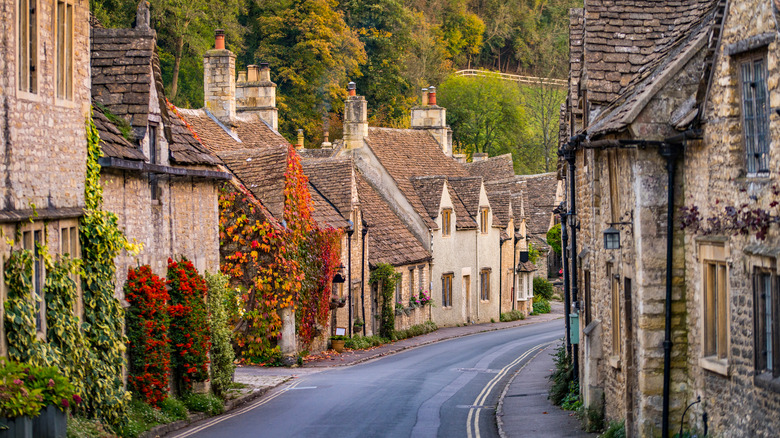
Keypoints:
pixel 45 101
pixel 699 90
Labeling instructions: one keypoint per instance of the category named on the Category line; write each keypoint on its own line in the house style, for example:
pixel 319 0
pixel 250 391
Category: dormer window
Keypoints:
pixel 446 222
pixel 483 220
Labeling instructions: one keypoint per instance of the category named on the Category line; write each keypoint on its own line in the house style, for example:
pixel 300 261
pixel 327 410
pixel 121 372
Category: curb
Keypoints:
pixel 409 347
pixel 500 407
pixel 165 429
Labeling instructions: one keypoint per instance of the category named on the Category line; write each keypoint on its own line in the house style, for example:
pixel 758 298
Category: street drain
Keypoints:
pixel 474 407
pixel 526 395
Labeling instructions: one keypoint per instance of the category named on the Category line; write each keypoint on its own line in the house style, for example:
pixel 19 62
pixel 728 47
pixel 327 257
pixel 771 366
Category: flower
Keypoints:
pixel 17 382
pixel 51 383
pixel 65 403
pixel 76 399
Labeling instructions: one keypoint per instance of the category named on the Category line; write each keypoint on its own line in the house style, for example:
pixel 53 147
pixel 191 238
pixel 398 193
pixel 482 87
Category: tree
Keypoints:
pixel 543 107
pixel 485 114
pixel 312 52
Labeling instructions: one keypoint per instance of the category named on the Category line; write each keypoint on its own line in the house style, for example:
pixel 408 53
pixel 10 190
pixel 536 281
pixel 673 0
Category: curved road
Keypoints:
pixel 447 389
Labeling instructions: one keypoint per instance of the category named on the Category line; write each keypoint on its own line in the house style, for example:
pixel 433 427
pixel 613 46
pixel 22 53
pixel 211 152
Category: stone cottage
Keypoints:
pixel 45 96
pixel 672 127
pixel 157 177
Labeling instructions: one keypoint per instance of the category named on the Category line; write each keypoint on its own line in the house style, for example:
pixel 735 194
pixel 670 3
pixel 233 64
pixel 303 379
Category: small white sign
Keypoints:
pixel 341 331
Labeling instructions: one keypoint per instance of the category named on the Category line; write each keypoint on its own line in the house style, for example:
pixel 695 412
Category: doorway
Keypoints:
pixel 467 290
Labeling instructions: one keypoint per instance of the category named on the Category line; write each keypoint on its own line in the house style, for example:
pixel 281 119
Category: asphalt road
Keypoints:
pixel 447 389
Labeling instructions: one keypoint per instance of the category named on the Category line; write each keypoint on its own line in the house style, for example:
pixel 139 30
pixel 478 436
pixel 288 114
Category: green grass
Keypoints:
pixel 79 427
pixel 364 342
pixel 142 417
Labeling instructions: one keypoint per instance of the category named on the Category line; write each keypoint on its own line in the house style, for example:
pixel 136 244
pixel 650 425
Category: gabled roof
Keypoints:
pixel 184 146
pixel 333 178
pixel 324 212
pixel 261 170
pixel 493 168
pixel 249 131
pixel 408 153
pixel 500 194
pixel 111 140
pixel 622 36
pixel 540 190
pixel 429 189
pixel 389 238
pixel 307 153
pixel 468 190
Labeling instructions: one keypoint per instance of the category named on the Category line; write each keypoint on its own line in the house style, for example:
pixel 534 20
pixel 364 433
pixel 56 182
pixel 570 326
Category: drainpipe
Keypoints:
pixel 670 152
pixel 500 275
pixel 350 231
pixel 561 210
pixel 364 231
pixel 570 155
pixel 514 271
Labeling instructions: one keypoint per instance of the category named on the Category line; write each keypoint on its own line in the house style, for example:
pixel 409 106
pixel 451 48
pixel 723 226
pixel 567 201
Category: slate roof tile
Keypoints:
pixel 111 140
pixel 261 170
pixel 540 192
pixel 333 178
pixel 493 168
pixel 324 212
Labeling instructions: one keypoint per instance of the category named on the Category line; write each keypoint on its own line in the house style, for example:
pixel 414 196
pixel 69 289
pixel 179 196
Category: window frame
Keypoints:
pixel 714 307
pixel 399 291
pixel 484 284
pixel 741 61
pixel 63 72
pixel 616 329
pixel 760 362
pixel 483 219
pixel 446 289
pixel 74 252
pixel 39 278
pixel 30 83
pixel 446 222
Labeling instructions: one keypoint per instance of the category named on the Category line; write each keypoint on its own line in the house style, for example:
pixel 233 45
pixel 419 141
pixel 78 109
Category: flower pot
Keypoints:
pixel 19 427
pixel 51 423
pixel 338 345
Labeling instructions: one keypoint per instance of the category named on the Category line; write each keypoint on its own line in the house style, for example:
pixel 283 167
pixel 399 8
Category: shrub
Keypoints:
pixel 222 355
pixel 541 306
pixel 140 418
pixel 80 427
pixel 554 238
pixel 512 315
pixel 385 276
pixel 543 288
pixel 616 429
pixel 572 400
pixel 147 335
pixel 415 330
pixel 189 326
pixel 562 376
pixel 363 342
pixel 207 403
pixel 174 408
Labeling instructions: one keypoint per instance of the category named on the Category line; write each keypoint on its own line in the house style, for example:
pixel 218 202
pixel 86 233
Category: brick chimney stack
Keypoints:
pixel 219 80
pixel 433 118
pixel 355 119
pixel 256 94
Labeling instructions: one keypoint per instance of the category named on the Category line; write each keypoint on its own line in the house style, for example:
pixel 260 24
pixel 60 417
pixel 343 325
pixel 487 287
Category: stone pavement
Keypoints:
pixel 524 410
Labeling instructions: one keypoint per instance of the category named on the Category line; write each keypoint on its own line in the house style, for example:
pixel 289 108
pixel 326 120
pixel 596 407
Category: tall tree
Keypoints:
pixel 312 52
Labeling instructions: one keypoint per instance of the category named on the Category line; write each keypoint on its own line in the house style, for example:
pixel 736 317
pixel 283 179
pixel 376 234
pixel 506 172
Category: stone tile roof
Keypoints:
pixel 248 131
pixel 307 153
pixel 622 36
pixel 576 38
pixel 261 171
pixel 540 190
pixel 656 74
pixel 325 213
pixel 429 189
pixel 390 240
pixel 468 189
pixel 111 140
pixel 333 178
pixel 494 168
pixel 408 153
pixel 125 73
pixel 526 267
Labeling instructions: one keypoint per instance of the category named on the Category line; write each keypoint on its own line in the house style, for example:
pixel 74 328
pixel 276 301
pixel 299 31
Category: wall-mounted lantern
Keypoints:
pixel 611 238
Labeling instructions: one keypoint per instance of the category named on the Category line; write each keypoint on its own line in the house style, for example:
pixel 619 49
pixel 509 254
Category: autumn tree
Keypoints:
pixel 312 53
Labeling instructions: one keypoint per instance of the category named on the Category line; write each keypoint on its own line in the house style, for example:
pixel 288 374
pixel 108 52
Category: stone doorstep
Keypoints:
pixel 165 429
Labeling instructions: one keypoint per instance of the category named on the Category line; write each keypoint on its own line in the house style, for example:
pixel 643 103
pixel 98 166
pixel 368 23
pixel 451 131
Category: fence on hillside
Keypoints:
pixel 530 80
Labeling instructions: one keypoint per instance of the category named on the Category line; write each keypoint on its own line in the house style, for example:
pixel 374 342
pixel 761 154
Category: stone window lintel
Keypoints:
pixel 751 43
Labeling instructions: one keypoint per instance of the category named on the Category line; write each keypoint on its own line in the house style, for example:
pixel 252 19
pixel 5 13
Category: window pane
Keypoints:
pixel 60 49
pixel 711 281
pixel 748 115
pixel 766 287
pixel 721 311
pixel 761 127
pixel 69 53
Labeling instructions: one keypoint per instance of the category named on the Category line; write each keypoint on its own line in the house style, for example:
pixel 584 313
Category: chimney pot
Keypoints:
pixel 242 76
pixel 219 36
pixel 351 89
pixel 424 94
pixel 431 95
pixel 253 73
pixel 300 140
pixel 265 72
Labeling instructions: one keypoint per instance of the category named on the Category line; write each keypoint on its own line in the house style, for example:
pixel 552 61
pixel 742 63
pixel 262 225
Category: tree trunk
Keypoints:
pixel 176 66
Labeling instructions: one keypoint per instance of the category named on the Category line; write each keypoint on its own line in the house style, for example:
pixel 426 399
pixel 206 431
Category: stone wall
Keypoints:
pixel 736 400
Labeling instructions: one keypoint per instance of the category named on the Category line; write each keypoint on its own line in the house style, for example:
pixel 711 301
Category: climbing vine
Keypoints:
pixel 276 266
pixel 385 276
pixel 149 355
pixel 743 219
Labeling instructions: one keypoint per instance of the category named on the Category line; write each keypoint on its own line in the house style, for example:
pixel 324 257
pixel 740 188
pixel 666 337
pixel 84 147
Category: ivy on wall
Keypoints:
pixel 385 276
pixel 220 299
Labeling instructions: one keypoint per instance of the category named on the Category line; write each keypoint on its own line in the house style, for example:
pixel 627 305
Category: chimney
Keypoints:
pixel 433 119
pixel 142 16
pixel 256 94
pixel 219 80
pixel 478 156
pixel 460 158
pixel 241 77
pixel 299 145
pixel 326 144
pixel 355 119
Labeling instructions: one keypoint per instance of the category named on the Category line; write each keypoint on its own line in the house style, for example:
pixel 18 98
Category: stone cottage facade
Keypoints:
pixel 45 96
pixel 161 182
pixel 685 102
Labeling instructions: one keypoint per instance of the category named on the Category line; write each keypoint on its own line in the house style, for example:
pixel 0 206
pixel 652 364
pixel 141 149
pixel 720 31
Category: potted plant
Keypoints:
pixel 19 402
pixel 357 326
pixel 58 396
pixel 337 342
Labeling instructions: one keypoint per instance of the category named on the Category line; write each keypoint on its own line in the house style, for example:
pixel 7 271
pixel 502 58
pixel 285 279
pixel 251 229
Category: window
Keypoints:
pixel 614 201
pixel 411 282
pixel 398 291
pixel 2 301
pixel 153 159
pixel 446 227
pixel 616 328
pixel 715 309
pixel 420 278
pixel 483 220
pixel 446 290
pixel 767 323
pixel 69 245
pixel 64 48
pixel 27 38
pixel 484 285
pixel 586 290
pixel 755 117
pixel 30 241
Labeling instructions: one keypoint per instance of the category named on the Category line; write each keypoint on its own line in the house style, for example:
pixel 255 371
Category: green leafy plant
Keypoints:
pixel 415 330
pixel 207 403
pixel 339 338
pixel 616 429
pixel 542 288
pixel 512 315
pixel 18 397
pixel 541 306
pixel 174 408
pixel 54 387
pixel 562 376
pixel 385 276
pixel 572 401
pixel 533 253
pixel 220 298
pixel 554 238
